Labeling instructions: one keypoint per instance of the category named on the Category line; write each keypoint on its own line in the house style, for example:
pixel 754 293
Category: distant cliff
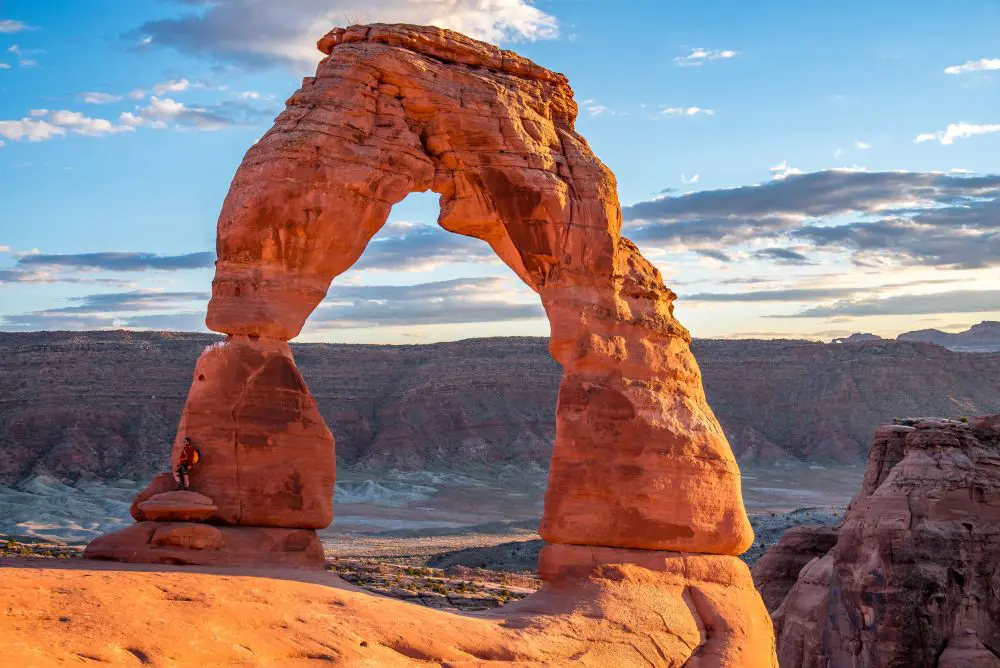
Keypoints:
pixel 107 403
pixel 981 338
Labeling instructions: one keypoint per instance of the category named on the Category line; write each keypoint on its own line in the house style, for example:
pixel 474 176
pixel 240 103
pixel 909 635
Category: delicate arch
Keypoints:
pixel 639 459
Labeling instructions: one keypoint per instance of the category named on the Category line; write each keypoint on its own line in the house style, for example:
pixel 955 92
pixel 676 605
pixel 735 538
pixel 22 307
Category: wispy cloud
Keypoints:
pixel 9 26
pixel 23 55
pixel 460 300
pixel 783 170
pixel 686 111
pixel 165 112
pixel 700 56
pixel 115 261
pixel 593 108
pixel 957 131
pixel 694 178
pixel 981 65
pixel 99 98
pixel 905 218
pixel 861 146
pixel 953 301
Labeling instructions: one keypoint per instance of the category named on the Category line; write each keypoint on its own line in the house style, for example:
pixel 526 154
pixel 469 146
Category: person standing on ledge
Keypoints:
pixel 190 456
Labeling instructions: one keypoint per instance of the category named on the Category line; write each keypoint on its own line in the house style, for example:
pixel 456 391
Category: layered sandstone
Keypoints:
pixel 777 571
pixel 643 505
pixel 910 580
pixel 639 459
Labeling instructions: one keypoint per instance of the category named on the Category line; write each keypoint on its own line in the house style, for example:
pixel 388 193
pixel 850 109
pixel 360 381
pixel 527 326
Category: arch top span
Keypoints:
pixel 639 459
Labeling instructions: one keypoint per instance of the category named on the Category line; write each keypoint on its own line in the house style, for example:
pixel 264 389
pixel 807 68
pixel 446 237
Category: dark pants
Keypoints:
pixel 182 476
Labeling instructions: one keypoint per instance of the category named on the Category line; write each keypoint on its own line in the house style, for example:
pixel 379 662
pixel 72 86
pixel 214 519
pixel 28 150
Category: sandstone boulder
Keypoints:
pixel 776 572
pixel 267 457
pixel 913 569
pixel 177 506
pixel 207 545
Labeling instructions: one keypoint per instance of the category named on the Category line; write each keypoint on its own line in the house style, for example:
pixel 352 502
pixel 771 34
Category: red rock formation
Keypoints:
pixel 177 506
pixel 911 576
pixel 208 545
pixel 640 460
pixel 640 464
pixel 777 571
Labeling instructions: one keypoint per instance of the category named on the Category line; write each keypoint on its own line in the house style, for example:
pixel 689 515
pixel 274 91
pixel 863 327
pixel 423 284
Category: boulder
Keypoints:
pixel 206 545
pixel 777 571
pixel 177 506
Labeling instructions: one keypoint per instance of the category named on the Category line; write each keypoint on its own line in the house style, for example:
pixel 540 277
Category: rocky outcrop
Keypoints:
pixel 910 581
pixel 644 492
pixel 778 570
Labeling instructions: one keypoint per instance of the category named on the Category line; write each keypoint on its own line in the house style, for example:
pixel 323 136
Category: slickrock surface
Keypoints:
pixel 911 576
pixel 161 615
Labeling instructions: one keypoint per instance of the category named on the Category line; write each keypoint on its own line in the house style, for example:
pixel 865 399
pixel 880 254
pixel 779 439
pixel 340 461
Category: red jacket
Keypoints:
pixel 188 455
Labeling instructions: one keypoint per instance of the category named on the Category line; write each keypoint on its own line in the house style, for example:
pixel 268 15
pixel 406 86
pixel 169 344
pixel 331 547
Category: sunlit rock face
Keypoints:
pixel 911 580
pixel 640 460
pixel 644 490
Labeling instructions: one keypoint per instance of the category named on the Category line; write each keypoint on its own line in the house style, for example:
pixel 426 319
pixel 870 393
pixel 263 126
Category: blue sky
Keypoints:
pixel 795 169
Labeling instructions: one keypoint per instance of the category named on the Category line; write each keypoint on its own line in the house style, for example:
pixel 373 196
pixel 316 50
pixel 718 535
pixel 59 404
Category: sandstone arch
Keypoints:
pixel 640 460
pixel 641 471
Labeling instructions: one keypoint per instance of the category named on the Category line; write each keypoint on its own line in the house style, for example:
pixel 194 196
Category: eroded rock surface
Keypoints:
pixel 639 459
pixel 911 580
pixel 778 570
pixel 643 505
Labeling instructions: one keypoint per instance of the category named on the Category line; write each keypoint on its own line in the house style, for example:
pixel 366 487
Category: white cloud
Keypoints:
pixel 861 146
pixel 700 56
pixel 686 111
pixel 11 26
pixel 165 112
pixel 4 248
pixel 250 95
pixel 594 109
pixel 286 32
pixel 172 86
pixel 99 98
pixel 45 124
pixel 839 152
pixel 981 65
pixel 22 55
pixel 137 94
pixel 783 170
pixel 4 66
pixel 84 125
pixel 28 129
pixel 957 131
pixel 694 178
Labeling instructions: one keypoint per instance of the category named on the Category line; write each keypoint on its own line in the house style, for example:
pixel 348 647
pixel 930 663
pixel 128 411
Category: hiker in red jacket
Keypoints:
pixel 188 458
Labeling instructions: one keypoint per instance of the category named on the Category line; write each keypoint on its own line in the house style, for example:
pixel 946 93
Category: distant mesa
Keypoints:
pixel 981 338
pixel 858 337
